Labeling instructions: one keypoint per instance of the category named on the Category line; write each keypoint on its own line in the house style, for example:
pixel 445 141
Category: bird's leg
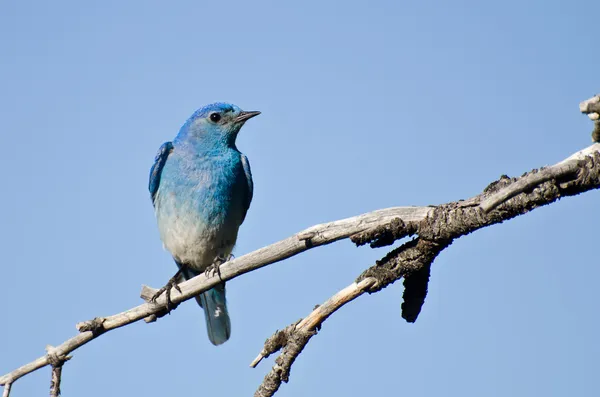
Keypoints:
pixel 214 268
pixel 172 283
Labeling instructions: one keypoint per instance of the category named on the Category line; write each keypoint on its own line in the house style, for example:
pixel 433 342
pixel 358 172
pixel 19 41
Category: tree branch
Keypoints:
pixel 436 228
pixel 566 167
pixel 294 337
pixel 500 201
pixel 315 236
pixel 57 361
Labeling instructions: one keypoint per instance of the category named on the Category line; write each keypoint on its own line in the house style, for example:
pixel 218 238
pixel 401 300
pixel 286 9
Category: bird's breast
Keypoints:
pixel 199 208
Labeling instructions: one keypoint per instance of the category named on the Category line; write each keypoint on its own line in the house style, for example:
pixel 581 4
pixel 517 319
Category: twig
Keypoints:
pixel 55 381
pixel 591 107
pixel 322 312
pixel 7 387
pixel 294 338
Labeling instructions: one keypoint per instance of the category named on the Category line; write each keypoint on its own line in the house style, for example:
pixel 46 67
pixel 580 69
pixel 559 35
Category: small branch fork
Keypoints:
pixel 295 337
pixel 435 229
pixel 56 361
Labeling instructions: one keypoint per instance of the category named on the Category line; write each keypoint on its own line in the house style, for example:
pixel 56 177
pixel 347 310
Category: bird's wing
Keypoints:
pixel 157 167
pixel 250 191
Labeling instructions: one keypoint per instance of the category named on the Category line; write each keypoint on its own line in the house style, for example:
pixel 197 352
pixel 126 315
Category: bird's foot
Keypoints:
pixel 172 283
pixel 215 267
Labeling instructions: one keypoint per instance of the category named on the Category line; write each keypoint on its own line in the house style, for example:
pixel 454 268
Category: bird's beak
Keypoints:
pixel 243 116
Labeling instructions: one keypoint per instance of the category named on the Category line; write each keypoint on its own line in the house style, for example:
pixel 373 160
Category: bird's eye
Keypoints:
pixel 215 117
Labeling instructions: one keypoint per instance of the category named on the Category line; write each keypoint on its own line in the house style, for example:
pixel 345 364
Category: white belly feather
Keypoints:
pixel 191 240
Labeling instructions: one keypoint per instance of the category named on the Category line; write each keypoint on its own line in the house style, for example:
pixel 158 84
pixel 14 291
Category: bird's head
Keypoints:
pixel 217 122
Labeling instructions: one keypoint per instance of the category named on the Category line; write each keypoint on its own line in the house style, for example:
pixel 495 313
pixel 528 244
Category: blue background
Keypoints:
pixel 365 106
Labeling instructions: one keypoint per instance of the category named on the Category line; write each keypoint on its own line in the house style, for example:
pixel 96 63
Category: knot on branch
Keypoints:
pixel 501 183
pixel 404 261
pixel 96 326
pixel 289 337
pixel 307 237
pixel 412 261
pixel 292 340
pixel 54 358
pixel 278 340
pixel 450 221
pixel 591 106
pixel 383 235
pixel 588 173
pixel 447 222
pixel 295 343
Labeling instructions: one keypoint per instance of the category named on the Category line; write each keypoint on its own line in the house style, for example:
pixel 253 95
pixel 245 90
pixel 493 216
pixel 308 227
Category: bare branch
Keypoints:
pixel 7 387
pixel 444 224
pixel 294 337
pixel 55 381
pixel 315 236
pixel 560 170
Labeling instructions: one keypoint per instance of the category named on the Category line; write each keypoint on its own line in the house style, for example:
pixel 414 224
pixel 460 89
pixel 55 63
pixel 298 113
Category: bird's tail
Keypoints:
pixel 214 304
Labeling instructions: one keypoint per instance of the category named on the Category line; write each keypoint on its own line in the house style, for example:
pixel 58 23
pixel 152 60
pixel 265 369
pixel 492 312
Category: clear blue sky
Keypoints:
pixel 365 106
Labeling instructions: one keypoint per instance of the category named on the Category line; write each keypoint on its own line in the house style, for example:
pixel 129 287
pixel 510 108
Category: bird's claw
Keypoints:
pixel 215 267
pixel 172 283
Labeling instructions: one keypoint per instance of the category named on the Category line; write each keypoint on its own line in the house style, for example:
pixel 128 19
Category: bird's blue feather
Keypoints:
pixel 156 170
pixel 218 324
pixel 250 191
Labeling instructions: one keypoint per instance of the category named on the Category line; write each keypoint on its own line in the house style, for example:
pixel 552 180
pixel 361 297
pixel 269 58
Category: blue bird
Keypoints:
pixel 201 187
